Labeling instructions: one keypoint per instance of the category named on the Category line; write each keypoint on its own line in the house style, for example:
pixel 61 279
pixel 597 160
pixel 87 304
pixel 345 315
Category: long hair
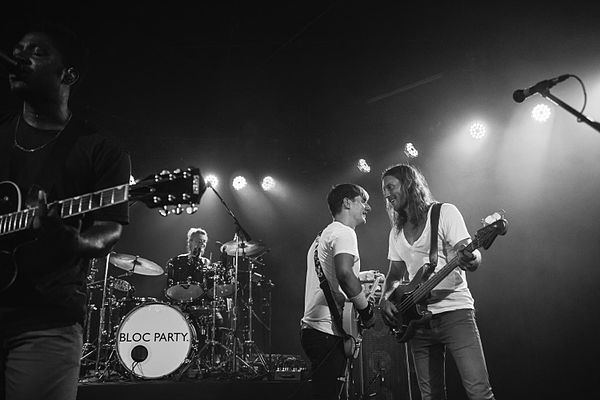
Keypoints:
pixel 416 190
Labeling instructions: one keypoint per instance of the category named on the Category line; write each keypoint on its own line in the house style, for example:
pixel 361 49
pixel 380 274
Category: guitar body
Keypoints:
pixel 352 327
pixel 371 282
pixel 414 314
pixel 10 201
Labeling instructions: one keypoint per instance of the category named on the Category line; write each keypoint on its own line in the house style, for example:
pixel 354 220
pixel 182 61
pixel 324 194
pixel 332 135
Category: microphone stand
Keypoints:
pixel 580 117
pixel 240 234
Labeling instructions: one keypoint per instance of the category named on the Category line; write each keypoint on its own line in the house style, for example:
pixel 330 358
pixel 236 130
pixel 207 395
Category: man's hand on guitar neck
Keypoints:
pixel 48 224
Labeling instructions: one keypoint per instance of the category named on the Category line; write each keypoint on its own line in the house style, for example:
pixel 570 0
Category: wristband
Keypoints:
pixel 359 301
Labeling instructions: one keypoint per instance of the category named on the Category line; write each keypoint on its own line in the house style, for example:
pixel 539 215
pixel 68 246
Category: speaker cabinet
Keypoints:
pixel 382 370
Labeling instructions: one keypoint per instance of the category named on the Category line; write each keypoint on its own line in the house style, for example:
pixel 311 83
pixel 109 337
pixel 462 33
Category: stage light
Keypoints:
pixel 268 183
pixel 211 181
pixel 363 166
pixel 541 113
pixel 132 180
pixel 477 130
pixel 239 182
pixel 410 150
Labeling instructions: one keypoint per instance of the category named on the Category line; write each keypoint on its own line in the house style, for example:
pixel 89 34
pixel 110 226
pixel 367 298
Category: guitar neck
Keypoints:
pixel 21 220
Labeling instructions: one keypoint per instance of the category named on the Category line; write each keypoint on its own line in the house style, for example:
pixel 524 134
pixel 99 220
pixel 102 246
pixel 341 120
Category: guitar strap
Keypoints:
pixel 433 249
pixel 324 284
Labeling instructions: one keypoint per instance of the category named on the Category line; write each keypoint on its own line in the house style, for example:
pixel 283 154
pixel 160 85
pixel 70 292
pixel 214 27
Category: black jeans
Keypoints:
pixel 41 364
pixel 327 363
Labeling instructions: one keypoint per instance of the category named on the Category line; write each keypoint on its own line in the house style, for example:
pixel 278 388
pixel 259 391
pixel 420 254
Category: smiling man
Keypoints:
pixel 335 253
pixel 452 327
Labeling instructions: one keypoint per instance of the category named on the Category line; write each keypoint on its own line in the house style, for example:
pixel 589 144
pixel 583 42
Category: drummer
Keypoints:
pixel 186 272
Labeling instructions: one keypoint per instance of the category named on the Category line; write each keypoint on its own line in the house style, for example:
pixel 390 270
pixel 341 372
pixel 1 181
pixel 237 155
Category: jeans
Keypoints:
pixel 455 331
pixel 41 364
pixel 327 362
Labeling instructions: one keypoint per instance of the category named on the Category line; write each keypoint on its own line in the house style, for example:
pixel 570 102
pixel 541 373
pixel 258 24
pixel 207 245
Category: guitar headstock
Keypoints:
pixel 174 192
pixel 493 225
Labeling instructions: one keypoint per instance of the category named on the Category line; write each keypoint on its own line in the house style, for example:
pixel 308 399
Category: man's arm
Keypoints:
pixel 394 276
pixel 350 285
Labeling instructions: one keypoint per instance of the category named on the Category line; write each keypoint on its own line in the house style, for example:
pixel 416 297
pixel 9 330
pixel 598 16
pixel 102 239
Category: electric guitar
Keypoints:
pixel 371 281
pixel 410 299
pixel 171 191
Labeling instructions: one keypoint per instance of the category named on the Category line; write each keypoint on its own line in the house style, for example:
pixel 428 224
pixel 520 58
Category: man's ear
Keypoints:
pixel 70 76
pixel 346 202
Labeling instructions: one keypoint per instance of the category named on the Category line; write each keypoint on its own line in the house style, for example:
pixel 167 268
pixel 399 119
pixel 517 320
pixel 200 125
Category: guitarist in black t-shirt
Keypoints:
pixel 48 154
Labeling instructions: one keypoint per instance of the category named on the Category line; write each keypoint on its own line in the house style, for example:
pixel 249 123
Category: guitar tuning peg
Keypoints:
pixel 164 211
pixel 177 171
pixel 178 210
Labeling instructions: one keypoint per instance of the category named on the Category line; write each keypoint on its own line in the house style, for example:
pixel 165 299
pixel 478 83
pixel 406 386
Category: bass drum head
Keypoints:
pixel 154 340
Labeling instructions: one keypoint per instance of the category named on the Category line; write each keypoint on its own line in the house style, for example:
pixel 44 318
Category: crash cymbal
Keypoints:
pixel 135 264
pixel 250 248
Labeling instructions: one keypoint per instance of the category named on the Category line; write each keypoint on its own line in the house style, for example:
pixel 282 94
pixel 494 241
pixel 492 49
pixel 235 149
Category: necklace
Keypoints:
pixel 56 135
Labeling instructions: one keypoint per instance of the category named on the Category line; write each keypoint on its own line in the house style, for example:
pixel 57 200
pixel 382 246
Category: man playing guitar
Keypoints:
pixel 334 260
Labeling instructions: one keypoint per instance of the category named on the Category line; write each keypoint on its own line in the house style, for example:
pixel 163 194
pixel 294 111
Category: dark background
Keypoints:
pixel 301 90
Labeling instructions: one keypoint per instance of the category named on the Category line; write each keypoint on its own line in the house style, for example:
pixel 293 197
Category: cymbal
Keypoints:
pixel 250 248
pixel 135 264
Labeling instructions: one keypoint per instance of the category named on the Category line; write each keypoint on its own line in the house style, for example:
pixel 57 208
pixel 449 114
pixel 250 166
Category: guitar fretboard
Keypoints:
pixel 21 220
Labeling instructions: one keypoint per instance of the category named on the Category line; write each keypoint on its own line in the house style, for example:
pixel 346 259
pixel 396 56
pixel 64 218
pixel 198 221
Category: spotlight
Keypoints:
pixel 410 150
pixel 477 130
pixel 363 166
pixel 211 181
pixel 239 182
pixel 132 180
pixel 541 113
pixel 268 183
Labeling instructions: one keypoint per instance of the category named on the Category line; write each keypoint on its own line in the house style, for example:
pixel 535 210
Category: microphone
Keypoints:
pixel 12 65
pixel 521 94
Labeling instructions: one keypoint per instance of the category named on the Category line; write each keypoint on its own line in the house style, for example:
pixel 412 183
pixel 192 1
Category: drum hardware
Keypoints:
pixel 251 348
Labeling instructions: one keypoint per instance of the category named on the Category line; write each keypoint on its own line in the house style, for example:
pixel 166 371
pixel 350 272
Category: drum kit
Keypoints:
pixel 192 332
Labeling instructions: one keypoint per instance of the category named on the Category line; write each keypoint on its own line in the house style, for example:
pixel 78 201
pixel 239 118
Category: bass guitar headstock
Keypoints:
pixel 493 225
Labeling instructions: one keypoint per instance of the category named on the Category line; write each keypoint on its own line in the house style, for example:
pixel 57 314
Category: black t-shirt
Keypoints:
pixel 50 288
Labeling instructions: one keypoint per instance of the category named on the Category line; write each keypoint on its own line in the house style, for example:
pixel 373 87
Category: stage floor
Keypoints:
pixel 201 389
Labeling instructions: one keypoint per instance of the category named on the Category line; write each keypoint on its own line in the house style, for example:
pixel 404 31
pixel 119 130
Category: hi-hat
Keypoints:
pixel 250 248
pixel 135 264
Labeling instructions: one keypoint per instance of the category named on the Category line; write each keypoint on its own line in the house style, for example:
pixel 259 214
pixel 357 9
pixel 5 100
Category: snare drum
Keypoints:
pixel 154 340
pixel 185 278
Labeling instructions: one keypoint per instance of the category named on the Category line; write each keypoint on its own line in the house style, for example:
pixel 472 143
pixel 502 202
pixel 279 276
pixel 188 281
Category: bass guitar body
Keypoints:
pixel 10 201
pixel 411 314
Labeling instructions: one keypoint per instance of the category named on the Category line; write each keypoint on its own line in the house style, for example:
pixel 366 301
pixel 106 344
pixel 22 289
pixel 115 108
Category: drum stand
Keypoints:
pixel 252 353
pixel 103 342
pixel 211 342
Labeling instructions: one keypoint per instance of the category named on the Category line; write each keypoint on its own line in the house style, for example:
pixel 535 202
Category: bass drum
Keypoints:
pixel 154 340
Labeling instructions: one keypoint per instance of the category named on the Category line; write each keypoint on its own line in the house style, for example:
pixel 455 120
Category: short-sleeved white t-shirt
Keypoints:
pixel 335 239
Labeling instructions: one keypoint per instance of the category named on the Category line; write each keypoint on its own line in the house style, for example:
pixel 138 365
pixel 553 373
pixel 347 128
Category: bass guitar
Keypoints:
pixel 410 299
pixel 371 282
pixel 171 191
